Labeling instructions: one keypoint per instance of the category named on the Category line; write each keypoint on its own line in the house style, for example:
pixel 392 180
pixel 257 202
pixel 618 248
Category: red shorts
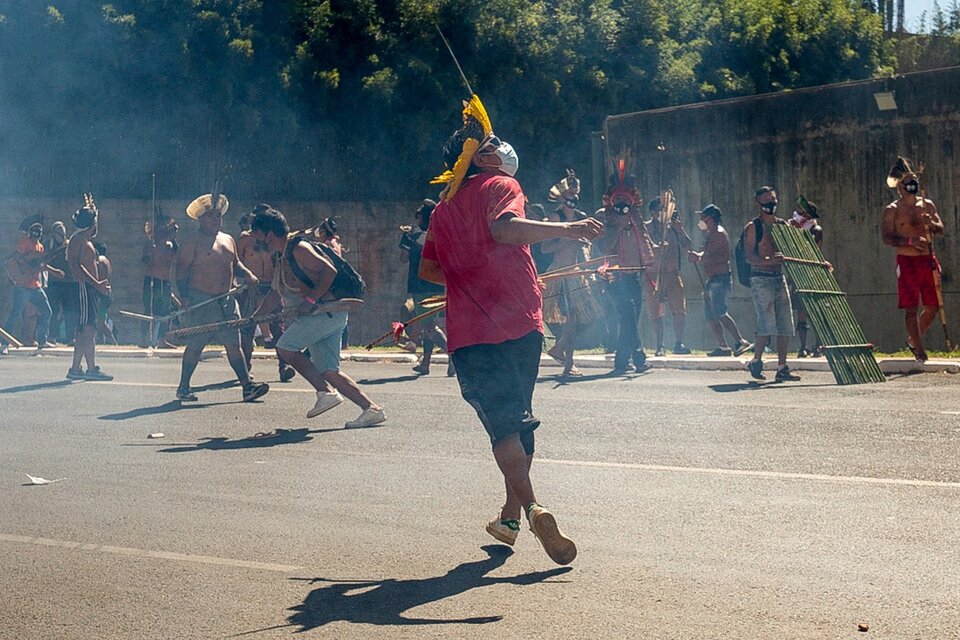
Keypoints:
pixel 915 282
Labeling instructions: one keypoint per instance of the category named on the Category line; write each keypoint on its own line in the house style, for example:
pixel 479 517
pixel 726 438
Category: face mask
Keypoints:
pixel 622 209
pixel 802 222
pixel 702 225
pixel 571 202
pixel 769 207
pixel 509 162
pixel 911 187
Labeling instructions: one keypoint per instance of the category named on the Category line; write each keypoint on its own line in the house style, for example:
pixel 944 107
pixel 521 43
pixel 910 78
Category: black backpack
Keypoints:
pixel 740 254
pixel 346 284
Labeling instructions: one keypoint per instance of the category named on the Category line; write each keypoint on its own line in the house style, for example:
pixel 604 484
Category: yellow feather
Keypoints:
pixel 460 168
pixel 443 178
pixel 476 109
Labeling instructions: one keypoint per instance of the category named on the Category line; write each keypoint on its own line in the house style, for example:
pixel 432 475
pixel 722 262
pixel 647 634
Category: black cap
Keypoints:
pixel 427 206
pixel 713 211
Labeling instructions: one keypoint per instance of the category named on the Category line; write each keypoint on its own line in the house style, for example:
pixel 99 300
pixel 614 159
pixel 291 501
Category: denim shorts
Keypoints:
pixel 772 304
pixel 718 291
pixel 321 334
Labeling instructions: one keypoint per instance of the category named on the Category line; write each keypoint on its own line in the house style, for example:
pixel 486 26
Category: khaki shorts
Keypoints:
pixel 674 292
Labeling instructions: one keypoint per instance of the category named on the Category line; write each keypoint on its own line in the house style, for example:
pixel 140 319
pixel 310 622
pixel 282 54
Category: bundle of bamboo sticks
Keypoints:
pixel 849 354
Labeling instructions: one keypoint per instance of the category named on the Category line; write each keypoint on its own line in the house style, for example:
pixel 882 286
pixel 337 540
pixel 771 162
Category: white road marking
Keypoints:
pixel 774 475
pixel 145 553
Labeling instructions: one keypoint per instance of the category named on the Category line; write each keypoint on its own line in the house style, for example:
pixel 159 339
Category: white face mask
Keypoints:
pixel 802 222
pixel 702 225
pixel 509 162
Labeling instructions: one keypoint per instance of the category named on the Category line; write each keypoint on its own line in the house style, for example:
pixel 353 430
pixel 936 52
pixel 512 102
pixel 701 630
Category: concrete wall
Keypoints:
pixel 835 143
pixel 369 231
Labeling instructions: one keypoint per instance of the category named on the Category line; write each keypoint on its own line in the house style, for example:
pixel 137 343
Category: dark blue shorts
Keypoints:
pixel 497 380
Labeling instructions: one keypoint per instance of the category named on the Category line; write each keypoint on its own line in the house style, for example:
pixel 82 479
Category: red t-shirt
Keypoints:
pixel 492 290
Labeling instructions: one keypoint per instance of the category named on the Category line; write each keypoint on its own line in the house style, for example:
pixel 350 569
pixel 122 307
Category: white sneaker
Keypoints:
pixel 368 418
pixel 325 402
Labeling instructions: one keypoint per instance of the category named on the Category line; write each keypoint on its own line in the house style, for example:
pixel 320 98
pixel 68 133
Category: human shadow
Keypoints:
pixel 257 441
pixel 562 380
pixel 757 385
pixel 372 381
pixel 226 384
pixel 40 386
pixel 383 602
pixel 166 407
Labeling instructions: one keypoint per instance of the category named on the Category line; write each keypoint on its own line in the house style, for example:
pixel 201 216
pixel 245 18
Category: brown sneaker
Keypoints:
pixel 559 547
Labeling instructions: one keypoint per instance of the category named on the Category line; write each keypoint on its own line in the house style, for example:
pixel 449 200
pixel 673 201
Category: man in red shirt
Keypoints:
pixel 478 247
pixel 25 269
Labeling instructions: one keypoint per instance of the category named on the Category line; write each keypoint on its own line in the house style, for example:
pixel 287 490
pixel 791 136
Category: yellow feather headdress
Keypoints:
pixel 474 115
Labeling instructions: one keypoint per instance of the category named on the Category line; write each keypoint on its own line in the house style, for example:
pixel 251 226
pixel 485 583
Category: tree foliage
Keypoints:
pixel 353 98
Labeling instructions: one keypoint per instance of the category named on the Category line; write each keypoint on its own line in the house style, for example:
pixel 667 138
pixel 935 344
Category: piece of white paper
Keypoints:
pixel 35 480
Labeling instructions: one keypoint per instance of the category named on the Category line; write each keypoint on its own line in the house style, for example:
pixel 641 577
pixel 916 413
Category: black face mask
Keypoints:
pixel 622 209
pixel 769 207
pixel 911 187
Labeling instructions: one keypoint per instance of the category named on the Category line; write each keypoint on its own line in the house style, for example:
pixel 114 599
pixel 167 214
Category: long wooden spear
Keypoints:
pixel 177 314
pixel 203 329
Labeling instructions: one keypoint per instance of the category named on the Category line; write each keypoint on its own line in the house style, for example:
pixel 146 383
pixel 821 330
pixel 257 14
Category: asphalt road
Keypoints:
pixel 703 507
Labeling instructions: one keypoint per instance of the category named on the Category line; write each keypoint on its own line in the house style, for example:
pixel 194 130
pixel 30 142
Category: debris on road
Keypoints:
pixel 154 436
pixel 36 480
pixel 863 627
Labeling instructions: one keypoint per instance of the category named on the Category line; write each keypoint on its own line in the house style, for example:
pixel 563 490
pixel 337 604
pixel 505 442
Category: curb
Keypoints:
pixel 605 361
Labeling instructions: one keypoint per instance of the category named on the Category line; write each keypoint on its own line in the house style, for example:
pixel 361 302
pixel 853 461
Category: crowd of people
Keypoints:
pixel 502 267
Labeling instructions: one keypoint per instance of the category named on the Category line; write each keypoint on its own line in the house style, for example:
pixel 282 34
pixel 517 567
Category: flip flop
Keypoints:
pixel 919 355
pixel 572 373
pixel 558 359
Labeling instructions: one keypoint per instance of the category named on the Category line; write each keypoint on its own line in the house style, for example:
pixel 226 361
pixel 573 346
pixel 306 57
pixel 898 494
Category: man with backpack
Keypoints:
pixel 771 300
pixel 310 273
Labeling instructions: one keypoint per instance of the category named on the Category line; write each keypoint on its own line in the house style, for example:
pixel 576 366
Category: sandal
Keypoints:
pixel 559 358
pixel 917 353
pixel 572 372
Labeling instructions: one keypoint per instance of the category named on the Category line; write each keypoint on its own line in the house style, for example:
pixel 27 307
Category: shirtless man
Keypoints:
pixel 669 246
pixel 805 216
pixel 104 272
pixel 82 260
pixel 258 257
pixel 205 268
pixel 568 302
pixel 159 251
pixel 714 264
pixel 768 286
pixel 626 237
pixel 909 224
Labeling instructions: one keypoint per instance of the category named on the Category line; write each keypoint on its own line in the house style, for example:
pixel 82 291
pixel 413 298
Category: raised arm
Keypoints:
pixel 510 229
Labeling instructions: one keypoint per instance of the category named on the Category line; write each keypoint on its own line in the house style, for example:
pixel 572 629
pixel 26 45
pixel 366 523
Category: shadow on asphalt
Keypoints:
pixel 166 407
pixel 258 441
pixel 562 380
pixel 383 602
pixel 388 380
pixel 38 387
pixel 755 385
